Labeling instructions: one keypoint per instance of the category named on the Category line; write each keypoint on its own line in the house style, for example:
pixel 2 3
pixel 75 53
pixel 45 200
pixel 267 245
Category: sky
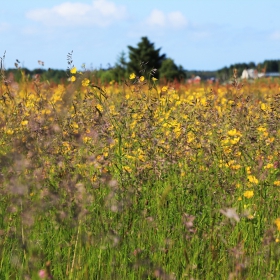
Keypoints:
pixel 197 34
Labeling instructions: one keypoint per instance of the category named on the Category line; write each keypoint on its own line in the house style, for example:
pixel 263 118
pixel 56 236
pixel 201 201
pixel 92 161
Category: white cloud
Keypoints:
pixel 158 18
pixel 275 35
pixel 100 12
pixel 177 19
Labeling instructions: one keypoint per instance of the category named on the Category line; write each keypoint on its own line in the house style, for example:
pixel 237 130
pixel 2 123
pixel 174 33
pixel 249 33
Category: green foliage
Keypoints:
pixel 51 75
pixel 271 65
pixel 169 71
pixel 144 58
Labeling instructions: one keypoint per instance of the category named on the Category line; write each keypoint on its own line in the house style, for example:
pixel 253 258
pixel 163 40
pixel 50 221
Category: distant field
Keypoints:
pixel 139 180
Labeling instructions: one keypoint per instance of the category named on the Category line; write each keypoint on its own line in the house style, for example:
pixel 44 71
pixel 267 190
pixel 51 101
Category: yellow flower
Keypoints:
pixel 85 82
pixel 264 106
pixel 9 131
pixel 268 166
pixel 73 70
pixel 75 125
pixel 100 107
pixel 276 183
pixel 234 132
pixel 132 76
pixel 165 88
pixel 154 79
pixel 73 79
pixel 277 223
pixel 24 122
pixel 252 179
pixel 142 78
pixel 248 194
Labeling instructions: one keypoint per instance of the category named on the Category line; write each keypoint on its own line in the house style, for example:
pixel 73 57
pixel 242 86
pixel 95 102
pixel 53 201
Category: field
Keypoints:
pixel 139 180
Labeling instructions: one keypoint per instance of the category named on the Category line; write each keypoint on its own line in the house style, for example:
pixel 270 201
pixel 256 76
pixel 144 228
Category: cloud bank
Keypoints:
pixel 100 13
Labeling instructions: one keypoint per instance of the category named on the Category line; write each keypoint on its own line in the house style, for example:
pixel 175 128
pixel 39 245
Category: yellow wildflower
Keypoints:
pixel 9 131
pixel 100 107
pixel 85 82
pixel 75 125
pixel 264 106
pixel 165 88
pixel 24 122
pixel 248 194
pixel 154 79
pixel 234 132
pixel 73 70
pixel 73 79
pixel 252 179
pixel 268 166
pixel 142 78
pixel 132 76
pixel 277 223
pixel 276 183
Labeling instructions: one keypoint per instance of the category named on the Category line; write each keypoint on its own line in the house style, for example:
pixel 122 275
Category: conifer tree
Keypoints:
pixel 169 71
pixel 144 58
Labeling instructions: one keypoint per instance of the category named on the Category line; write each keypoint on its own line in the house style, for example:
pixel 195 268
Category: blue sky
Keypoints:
pixel 197 34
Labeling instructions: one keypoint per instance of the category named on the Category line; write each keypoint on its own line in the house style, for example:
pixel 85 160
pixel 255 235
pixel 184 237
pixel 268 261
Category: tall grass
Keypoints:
pixel 139 181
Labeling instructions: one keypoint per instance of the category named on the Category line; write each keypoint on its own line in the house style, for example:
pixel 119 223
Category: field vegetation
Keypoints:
pixel 138 179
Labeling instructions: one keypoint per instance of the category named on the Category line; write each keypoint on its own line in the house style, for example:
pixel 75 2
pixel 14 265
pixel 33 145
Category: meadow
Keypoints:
pixel 139 180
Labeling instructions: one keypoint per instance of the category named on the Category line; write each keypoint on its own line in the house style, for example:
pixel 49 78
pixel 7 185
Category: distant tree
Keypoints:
pixel 170 71
pixel 120 69
pixel 271 65
pixel 144 56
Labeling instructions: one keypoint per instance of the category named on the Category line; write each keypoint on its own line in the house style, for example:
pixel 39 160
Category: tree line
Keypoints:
pixel 148 61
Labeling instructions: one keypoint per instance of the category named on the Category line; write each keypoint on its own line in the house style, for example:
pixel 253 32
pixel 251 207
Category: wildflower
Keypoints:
pixel 142 78
pixel 268 166
pixel 234 132
pixel 24 122
pixel 132 76
pixel 86 139
pixel 42 274
pixel 127 169
pixel 73 70
pixel 85 82
pixel 238 185
pixel 264 106
pixel 75 125
pixel 73 79
pixel 154 79
pixel 277 223
pixel 248 194
pixel 252 179
pixel 165 88
pixel 9 131
pixel 276 183
pixel 99 107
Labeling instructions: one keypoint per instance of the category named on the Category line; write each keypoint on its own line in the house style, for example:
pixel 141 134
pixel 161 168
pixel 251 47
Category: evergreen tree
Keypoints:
pixel 144 58
pixel 169 71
